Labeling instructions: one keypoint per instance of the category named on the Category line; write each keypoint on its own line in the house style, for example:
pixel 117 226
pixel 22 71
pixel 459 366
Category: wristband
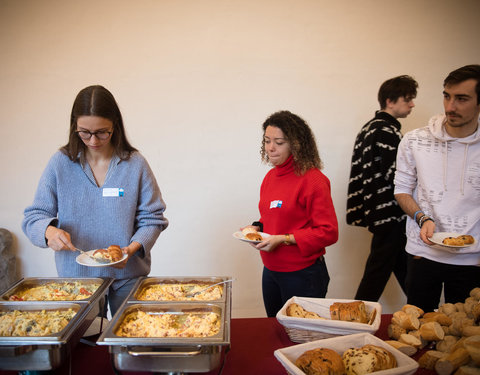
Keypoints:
pixel 423 219
pixel 415 215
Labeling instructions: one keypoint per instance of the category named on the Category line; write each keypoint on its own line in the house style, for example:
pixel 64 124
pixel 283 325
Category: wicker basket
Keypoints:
pixel 301 330
pixel 300 335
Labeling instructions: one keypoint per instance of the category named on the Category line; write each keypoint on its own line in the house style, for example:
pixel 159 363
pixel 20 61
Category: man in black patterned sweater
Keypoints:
pixel 371 202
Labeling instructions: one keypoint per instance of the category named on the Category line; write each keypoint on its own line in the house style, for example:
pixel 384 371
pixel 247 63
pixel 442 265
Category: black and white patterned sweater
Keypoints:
pixel 370 201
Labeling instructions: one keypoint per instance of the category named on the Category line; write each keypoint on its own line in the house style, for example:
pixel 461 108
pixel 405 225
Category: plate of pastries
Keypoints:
pixel 249 234
pixel 106 257
pixel 453 240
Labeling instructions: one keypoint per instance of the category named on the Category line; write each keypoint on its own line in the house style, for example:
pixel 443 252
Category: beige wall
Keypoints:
pixel 195 79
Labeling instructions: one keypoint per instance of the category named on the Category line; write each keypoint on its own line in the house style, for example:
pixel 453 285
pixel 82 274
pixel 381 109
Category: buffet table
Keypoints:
pixel 253 341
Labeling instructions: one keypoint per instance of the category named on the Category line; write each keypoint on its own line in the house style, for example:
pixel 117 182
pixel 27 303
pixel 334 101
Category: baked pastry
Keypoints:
pixel 453 241
pixel 369 358
pixel 297 311
pixel 251 234
pixel 113 253
pixel 467 239
pixel 349 311
pixel 321 361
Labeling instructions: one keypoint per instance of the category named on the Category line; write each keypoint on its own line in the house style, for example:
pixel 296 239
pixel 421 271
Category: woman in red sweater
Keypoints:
pixel 296 208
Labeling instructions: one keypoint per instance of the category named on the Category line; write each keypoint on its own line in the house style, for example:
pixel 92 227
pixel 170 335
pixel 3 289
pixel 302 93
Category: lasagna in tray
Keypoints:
pixel 152 324
pixel 34 323
pixel 178 292
pixel 56 291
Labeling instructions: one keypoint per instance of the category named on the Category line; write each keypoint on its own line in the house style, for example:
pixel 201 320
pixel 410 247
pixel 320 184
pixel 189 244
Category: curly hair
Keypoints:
pixel 301 139
pixel 96 101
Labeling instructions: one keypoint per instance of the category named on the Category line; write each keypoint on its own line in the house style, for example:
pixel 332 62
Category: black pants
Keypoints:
pixel 425 279
pixel 387 255
pixel 279 287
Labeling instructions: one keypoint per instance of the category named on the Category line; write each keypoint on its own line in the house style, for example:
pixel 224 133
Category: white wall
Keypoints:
pixel 195 79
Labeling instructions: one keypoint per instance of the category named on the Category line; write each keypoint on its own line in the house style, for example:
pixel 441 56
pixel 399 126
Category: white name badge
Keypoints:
pixel 113 192
pixel 276 204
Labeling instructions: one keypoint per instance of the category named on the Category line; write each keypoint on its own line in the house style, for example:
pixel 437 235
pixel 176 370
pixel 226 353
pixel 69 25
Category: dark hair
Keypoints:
pixel 96 101
pixel 395 88
pixel 462 74
pixel 301 139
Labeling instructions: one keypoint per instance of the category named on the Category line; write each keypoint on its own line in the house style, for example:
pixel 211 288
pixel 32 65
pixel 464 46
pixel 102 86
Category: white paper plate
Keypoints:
pixel 438 237
pixel 241 237
pixel 287 356
pixel 85 260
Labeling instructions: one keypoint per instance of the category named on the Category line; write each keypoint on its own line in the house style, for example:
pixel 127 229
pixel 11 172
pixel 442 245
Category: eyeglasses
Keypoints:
pixel 101 134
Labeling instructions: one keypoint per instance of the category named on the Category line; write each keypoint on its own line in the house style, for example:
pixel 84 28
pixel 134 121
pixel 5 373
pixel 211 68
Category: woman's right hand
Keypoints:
pixel 58 239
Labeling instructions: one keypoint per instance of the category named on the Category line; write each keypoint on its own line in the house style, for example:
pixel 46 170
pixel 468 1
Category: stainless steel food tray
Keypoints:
pixel 49 352
pixel 147 282
pixel 32 282
pixel 169 354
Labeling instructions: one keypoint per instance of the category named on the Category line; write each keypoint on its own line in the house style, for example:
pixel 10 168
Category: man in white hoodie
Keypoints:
pixel 437 184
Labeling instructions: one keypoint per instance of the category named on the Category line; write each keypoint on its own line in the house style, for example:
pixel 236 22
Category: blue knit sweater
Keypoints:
pixel 69 198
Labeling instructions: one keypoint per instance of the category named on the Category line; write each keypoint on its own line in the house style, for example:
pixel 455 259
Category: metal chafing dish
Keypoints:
pixel 170 354
pixel 48 352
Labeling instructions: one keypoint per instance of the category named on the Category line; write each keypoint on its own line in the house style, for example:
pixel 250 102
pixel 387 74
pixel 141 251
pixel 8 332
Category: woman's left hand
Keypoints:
pixel 130 250
pixel 270 243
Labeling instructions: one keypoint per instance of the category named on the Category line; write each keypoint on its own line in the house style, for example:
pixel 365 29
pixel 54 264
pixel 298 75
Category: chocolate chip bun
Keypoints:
pixel 321 361
pixel 369 358
pixel 349 311
pixel 453 241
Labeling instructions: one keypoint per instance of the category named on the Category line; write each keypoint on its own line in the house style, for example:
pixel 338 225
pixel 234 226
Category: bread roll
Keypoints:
pixel 432 331
pixel 394 331
pixel 404 348
pixel 297 311
pixel 446 344
pixel 367 359
pixel 413 310
pixel 472 345
pixel 429 359
pixel 410 340
pixel 405 320
pixel 349 311
pixel 452 361
pixel 321 361
pixel 467 370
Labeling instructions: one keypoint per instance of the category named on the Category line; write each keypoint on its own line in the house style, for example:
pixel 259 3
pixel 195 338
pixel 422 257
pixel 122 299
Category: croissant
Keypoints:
pixel 115 253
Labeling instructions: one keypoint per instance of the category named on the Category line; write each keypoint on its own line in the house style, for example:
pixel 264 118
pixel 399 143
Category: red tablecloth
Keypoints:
pixel 253 342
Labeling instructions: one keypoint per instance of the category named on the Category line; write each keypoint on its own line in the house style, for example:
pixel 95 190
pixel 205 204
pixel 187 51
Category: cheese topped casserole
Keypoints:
pixel 56 291
pixel 150 324
pixel 178 292
pixel 34 323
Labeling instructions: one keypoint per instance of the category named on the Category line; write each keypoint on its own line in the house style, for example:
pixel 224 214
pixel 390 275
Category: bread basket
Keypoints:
pixel 287 356
pixel 305 330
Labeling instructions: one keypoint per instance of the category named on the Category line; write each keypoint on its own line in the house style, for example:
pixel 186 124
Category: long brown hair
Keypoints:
pixel 301 139
pixel 96 101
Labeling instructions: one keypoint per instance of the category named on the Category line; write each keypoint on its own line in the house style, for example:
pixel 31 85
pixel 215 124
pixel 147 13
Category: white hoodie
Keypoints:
pixel 442 174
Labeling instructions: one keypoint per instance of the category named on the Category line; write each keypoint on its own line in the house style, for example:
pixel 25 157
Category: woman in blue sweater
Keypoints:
pixel 97 191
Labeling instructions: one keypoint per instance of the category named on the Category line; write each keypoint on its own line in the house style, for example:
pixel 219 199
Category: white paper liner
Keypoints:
pixel 288 356
pixel 321 306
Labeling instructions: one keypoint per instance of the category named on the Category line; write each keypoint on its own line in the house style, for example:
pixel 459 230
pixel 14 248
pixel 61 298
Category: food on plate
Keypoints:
pixel 464 239
pixel 34 323
pixel 321 361
pixel 55 291
pixel 179 291
pixel 349 311
pixel 164 324
pixel 453 241
pixel 251 234
pixel 113 253
pixel 297 311
pixel 467 239
pixel 369 358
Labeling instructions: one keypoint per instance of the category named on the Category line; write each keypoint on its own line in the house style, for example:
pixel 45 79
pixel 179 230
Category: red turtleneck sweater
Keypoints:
pixel 299 205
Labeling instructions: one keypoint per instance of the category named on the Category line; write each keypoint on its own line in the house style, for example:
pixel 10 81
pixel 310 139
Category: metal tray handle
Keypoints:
pixel 15 351
pixel 165 354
